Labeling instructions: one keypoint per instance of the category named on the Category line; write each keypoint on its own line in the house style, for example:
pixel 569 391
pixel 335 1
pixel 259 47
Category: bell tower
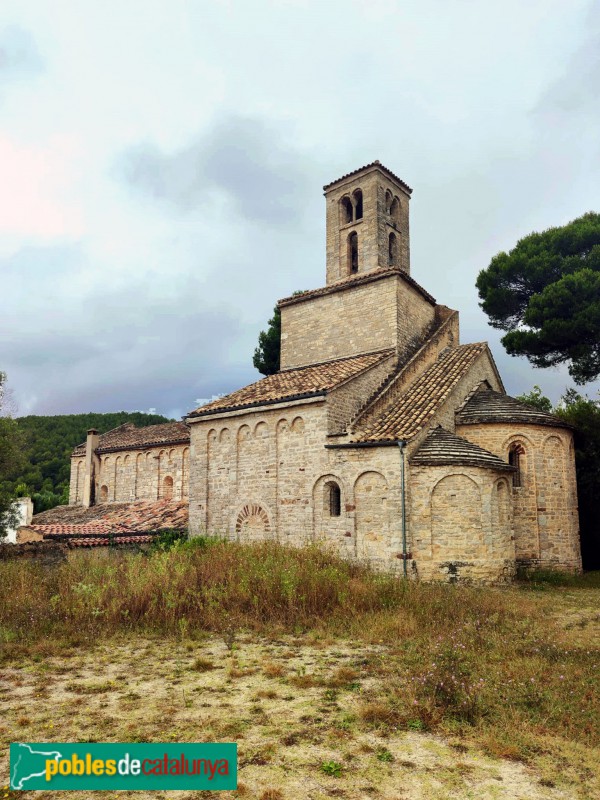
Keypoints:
pixel 367 223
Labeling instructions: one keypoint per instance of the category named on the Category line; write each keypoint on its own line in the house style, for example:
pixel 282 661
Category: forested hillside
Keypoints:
pixel 49 443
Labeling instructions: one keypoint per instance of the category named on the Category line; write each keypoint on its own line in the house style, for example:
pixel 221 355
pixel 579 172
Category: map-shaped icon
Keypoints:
pixel 28 764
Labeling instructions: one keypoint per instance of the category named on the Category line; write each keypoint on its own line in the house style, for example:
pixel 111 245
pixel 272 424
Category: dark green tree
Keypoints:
pixel 546 294
pixel 536 399
pixel 584 415
pixel 267 355
pixel 11 458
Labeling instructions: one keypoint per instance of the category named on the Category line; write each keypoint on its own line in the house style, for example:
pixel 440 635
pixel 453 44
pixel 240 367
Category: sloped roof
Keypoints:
pixel 86 527
pixel 442 447
pixel 486 405
pixel 356 280
pixel 128 437
pixel 411 413
pixel 291 384
pixel 368 166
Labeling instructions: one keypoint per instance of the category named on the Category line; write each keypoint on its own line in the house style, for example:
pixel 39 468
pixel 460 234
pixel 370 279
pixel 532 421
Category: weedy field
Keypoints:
pixel 334 680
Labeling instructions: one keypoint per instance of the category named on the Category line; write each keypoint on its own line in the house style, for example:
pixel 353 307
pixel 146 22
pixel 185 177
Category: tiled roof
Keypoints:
pixel 368 166
pixel 487 405
pixel 290 384
pixel 128 437
pixel 131 520
pixel 442 447
pixel 356 280
pixel 412 411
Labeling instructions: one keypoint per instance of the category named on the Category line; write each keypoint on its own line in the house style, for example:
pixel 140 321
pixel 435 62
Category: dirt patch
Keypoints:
pixel 293 708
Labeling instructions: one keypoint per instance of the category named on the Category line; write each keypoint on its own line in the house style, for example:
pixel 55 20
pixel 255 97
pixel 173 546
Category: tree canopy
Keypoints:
pixel 546 294
pixel 267 355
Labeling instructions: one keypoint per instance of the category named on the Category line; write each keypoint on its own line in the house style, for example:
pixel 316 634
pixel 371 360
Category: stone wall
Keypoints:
pixel 77 481
pixel 373 230
pixel 151 474
pixel 267 474
pixel 344 402
pixel 546 523
pixel 460 524
pixel 387 312
pixel 48 554
pixel 446 335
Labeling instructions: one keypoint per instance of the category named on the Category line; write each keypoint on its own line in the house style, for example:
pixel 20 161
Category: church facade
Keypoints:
pixel 382 437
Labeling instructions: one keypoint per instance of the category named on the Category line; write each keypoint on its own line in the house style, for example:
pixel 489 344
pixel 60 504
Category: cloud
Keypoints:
pixel 577 90
pixel 244 160
pixel 19 56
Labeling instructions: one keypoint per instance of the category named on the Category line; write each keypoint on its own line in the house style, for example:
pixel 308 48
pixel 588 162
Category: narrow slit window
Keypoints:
pixel 347 210
pixel 353 252
pixel 358 204
pixel 335 499
pixel 392 250
pixel 514 459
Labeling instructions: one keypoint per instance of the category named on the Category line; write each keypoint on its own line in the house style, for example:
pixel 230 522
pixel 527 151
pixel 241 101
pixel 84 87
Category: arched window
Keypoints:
pixel 358 204
pixel 395 210
pixel 393 250
pixel 388 201
pixel 333 499
pixel 353 251
pixel 168 488
pixel 514 459
pixel 347 210
pixel 103 494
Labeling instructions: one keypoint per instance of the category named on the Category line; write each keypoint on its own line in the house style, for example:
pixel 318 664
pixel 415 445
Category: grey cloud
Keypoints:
pixel 245 159
pixel 19 56
pixel 577 90
pixel 108 349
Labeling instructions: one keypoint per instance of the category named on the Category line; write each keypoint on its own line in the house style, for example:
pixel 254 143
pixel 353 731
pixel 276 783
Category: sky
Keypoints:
pixel 162 165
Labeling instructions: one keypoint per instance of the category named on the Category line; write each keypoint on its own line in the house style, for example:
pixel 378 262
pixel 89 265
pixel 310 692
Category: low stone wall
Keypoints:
pixel 49 554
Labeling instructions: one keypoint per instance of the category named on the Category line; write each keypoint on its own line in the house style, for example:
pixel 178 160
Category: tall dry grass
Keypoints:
pixel 455 658
pixel 218 585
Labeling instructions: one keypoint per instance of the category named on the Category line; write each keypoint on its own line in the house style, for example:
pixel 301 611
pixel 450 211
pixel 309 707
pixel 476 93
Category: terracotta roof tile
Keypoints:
pixel 368 166
pixel 128 437
pixel 356 280
pixel 288 384
pixel 412 411
pixel 487 405
pixel 138 518
pixel 442 447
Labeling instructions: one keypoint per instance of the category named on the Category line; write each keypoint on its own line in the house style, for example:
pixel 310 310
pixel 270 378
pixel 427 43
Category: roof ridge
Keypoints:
pixel 409 415
pixel 356 280
pixel 375 163
pixel 331 361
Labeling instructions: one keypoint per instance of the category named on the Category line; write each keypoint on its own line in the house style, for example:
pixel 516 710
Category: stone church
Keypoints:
pixel 381 437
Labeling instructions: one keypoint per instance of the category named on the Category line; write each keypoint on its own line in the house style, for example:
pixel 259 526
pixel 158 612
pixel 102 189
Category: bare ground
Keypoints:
pixel 285 702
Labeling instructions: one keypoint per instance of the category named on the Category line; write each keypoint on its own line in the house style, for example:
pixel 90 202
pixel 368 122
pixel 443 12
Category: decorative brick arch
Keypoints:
pixel 252 523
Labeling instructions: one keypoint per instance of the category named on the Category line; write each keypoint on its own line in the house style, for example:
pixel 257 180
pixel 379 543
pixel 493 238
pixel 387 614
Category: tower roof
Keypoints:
pixel 372 165
pixel 487 405
pixel 444 448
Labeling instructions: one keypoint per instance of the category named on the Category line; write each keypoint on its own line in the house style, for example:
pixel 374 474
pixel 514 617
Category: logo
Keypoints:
pixel 96 766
